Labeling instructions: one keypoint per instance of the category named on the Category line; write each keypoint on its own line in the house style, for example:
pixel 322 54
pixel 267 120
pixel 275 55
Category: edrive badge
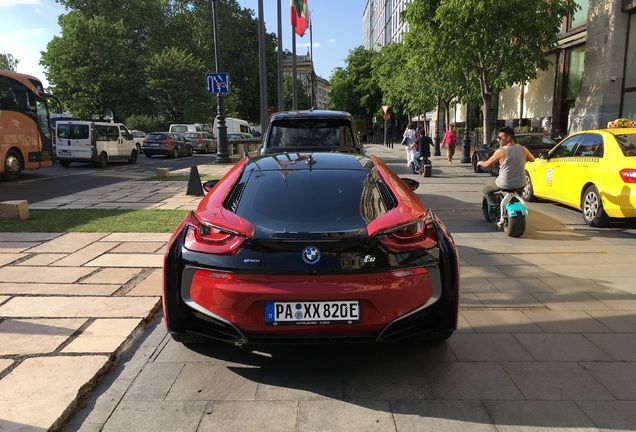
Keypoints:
pixel 311 254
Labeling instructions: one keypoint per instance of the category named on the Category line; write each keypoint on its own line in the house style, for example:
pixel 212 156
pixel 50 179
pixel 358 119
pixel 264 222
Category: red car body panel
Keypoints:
pixel 240 298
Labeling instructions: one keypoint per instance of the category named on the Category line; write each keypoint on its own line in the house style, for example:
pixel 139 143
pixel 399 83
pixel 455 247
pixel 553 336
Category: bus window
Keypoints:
pixel 42 113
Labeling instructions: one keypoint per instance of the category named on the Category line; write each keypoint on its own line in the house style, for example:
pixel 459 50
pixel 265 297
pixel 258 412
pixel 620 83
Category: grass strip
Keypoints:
pixel 97 220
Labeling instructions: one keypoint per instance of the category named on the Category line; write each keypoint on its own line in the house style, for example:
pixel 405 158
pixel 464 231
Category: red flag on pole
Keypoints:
pixel 299 16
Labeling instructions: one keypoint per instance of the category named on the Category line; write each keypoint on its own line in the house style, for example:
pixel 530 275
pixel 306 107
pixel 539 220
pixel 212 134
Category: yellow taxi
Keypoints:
pixel 593 171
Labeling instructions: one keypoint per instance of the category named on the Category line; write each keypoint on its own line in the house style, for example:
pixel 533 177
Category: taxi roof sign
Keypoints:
pixel 621 122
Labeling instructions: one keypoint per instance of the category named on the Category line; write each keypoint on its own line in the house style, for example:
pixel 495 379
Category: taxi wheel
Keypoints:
pixel 592 207
pixel 476 168
pixel 528 191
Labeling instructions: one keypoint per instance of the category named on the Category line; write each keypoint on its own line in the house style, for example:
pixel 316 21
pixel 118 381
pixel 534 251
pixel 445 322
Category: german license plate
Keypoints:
pixel 312 313
pixel 65 152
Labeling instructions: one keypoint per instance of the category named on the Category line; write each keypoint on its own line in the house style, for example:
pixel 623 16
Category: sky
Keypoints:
pixel 26 27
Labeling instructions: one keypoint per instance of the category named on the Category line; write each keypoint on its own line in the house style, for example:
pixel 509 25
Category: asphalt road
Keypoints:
pixel 56 181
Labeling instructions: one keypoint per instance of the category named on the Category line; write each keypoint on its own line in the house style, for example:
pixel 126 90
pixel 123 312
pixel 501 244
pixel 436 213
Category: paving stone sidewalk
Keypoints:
pixel 71 304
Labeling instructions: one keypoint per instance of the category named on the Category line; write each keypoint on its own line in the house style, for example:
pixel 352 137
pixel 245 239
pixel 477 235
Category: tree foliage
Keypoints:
pixel 355 88
pixel 489 43
pixel 116 60
pixel 8 62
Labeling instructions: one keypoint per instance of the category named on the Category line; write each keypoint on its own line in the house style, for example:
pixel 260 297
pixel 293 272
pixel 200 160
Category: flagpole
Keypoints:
pixel 262 68
pixel 294 98
pixel 281 96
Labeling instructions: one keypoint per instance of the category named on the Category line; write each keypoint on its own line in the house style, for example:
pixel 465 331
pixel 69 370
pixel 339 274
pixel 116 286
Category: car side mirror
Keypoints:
pixel 412 184
pixel 543 155
pixel 209 185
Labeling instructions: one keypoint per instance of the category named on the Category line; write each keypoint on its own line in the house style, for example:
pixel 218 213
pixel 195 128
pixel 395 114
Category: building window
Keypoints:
pixel 575 72
pixel 629 98
pixel 580 16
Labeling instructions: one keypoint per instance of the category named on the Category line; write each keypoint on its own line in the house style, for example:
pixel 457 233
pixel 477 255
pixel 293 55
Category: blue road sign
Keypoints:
pixel 217 82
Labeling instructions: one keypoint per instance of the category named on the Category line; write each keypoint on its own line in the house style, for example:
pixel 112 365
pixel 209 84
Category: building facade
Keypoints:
pixel 315 87
pixel 591 80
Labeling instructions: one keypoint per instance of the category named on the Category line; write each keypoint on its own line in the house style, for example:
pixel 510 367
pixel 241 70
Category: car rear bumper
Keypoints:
pixel 197 300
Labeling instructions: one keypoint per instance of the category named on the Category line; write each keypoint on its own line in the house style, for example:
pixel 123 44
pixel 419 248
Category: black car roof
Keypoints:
pixel 284 115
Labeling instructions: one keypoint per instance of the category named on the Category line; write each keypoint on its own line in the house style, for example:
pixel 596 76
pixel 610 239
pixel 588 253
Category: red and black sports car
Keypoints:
pixel 311 247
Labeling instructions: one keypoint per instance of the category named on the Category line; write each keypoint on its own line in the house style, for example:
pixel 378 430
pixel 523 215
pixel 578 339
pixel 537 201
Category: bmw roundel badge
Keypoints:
pixel 311 254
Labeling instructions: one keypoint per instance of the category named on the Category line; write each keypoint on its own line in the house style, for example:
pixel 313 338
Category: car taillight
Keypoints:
pixel 628 175
pixel 165 142
pixel 145 141
pixel 413 236
pixel 208 238
pixel 200 139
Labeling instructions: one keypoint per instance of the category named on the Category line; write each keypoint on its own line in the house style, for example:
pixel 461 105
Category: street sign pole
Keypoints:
pixel 223 154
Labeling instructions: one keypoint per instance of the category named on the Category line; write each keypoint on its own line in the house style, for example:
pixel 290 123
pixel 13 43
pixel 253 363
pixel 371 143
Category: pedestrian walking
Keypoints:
pixel 449 142
pixel 409 138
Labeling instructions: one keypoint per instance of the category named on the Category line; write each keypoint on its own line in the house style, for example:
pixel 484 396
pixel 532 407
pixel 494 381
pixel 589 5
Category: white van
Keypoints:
pixel 184 128
pixel 234 126
pixel 97 142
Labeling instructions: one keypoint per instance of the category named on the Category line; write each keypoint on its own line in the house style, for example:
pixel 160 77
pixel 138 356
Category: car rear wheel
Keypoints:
pixel 175 152
pixel 64 163
pixel 205 149
pixel 190 151
pixel 148 155
pixel 528 191
pixel 592 208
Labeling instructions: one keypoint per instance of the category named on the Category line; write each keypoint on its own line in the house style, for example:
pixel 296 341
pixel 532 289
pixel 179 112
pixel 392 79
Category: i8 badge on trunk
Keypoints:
pixel 311 254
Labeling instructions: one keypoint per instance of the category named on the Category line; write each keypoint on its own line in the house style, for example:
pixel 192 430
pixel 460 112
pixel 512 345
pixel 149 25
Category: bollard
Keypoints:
pixel 14 210
pixel 162 172
pixel 466 152
pixel 194 182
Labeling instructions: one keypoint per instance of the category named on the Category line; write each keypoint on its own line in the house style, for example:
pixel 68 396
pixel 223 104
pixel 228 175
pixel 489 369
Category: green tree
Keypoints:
pixel 174 79
pixel 354 87
pixel 493 43
pixel 8 62
pixel 302 98
pixel 97 65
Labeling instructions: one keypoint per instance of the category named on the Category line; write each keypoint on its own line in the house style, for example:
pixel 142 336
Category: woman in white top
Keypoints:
pixel 409 138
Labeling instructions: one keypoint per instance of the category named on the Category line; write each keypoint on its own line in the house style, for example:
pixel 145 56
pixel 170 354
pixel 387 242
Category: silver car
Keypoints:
pixel 202 142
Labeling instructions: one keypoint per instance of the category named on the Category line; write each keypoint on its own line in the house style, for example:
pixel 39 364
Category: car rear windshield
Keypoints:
pixel 311 201
pixel 179 129
pixel 311 133
pixel 155 136
pixel 627 143
pixel 72 131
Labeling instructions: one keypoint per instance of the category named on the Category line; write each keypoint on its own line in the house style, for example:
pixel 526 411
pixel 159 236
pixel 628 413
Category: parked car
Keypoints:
pixel 202 142
pixel 593 171
pixel 91 141
pixel 535 142
pixel 311 131
pixel 138 139
pixel 183 128
pixel 166 143
pixel 362 260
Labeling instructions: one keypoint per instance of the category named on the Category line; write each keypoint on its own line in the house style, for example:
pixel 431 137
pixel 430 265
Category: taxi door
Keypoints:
pixel 549 174
pixel 579 167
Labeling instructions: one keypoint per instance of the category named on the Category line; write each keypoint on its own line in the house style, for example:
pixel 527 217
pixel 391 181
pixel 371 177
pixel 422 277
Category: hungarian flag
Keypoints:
pixel 299 16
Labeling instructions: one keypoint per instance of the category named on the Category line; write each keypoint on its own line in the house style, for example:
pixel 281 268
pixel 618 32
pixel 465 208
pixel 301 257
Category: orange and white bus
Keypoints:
pixel 26 138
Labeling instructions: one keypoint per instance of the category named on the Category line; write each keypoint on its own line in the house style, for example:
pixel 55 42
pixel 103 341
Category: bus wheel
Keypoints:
pixel 12 165
pixel 103 160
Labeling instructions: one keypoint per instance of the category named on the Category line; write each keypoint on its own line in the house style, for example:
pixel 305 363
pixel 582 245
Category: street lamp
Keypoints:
pixel 223 154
